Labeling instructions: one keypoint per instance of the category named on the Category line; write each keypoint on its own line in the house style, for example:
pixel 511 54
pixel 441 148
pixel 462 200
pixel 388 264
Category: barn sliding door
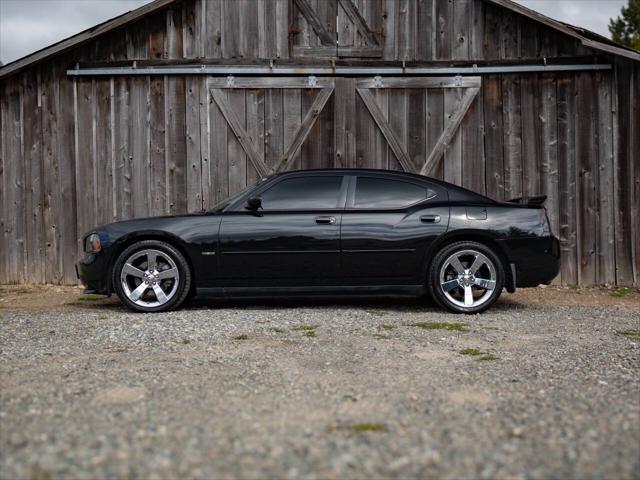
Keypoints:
pixel 259 126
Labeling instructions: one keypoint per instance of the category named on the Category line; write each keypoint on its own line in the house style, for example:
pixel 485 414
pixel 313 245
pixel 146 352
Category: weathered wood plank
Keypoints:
pixel 586 151
pixel 157 171
pixel 139 134
pixel 444 19
pixel 213 29
pixel 395 142
pixel 418 82
pixel 461 29
pixel 32 158
pixel 567 178
pixel 273 119
pixel 194 162
pixel 103 154
pixel 282 28
pixel 307 125
pixel 451 139
pixel 381 146
pixel 256 128
pixel 358 22
pixel 291 120
pixel 473 160
pixel 173 37
pixel 416 145
pixel 531 168
pixel 205 144
pixel 123 155
pixel 455 115
pixel 219 178
pixel 606 273
pixel 425 47
pixel 238 141
pixel 511 115
pixel 176 148
pixel 345 128
pixel 435 126
pixel 84 114
pixel 389 47
pixel 269 82
pixel 3 194
pixel 492 27
pixel 492 97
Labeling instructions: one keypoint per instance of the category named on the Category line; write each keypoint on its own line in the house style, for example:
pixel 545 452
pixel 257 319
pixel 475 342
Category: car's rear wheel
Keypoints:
pixel 151 276
pixel 466 277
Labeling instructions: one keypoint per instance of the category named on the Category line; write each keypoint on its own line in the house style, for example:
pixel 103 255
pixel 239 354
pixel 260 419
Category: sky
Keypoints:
pixel 29 25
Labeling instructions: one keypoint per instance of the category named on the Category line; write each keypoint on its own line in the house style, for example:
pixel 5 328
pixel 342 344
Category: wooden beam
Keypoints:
pixel 314 21
pixel 305 128
pixel 418 82
pixel 271 82
pixel 449 130
pixel 359 22
pixel 243 137
pixel 386 129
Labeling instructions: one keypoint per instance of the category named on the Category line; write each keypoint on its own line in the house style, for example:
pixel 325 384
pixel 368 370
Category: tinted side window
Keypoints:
pixel 303 193
pixel 386 193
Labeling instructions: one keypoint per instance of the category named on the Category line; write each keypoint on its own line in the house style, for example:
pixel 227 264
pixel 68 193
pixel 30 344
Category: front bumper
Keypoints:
pixel 92 271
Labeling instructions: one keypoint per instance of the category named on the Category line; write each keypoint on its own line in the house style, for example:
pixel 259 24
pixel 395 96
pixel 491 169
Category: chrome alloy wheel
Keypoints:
pixel 149 278
pixel 468 278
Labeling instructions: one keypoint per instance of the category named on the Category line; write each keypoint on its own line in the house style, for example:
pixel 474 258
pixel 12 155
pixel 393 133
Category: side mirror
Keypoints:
pixel 254 203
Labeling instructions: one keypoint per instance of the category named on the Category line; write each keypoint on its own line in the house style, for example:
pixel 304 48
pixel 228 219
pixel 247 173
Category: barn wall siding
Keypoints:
pixel 76 153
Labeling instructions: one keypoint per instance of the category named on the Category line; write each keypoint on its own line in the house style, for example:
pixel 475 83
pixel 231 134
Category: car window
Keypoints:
pixel 386 193
pixel 303 193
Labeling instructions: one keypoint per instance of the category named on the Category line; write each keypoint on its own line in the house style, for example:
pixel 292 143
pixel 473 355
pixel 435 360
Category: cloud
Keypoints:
pixel 29 25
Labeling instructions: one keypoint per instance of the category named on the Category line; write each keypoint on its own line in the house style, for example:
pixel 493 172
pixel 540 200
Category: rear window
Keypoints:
pixel 386 193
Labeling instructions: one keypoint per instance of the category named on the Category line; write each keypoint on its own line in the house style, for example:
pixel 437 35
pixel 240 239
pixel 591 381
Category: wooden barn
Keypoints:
pixel 171 107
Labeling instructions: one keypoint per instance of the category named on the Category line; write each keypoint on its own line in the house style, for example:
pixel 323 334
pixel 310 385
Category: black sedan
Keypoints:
pixel 329 232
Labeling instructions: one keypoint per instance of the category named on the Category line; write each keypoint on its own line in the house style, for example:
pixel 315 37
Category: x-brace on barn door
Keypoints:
pixel 348 124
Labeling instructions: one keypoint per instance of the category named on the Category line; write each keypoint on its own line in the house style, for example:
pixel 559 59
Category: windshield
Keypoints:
pixel 229 200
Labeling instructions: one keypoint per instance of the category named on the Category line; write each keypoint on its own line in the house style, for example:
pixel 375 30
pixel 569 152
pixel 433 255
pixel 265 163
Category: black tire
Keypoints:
pixel 183 282
pixel 487 299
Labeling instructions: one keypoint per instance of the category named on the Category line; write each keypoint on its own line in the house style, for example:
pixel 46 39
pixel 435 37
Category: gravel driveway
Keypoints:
pixel 546 384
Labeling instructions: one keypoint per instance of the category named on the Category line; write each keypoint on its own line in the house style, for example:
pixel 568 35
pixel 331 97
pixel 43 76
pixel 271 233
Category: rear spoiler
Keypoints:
pixel 535 201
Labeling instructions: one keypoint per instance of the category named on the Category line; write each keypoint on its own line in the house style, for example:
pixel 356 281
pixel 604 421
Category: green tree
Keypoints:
pixel 625 29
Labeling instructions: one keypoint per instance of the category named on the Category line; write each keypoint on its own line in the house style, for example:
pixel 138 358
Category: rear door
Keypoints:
pixel 388 224
pixel 294 240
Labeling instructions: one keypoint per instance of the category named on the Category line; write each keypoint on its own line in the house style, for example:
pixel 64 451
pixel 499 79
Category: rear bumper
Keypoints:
pixel 92 272
pixel 536 260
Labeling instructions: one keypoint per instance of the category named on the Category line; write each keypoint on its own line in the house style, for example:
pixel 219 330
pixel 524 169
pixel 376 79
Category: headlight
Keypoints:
pixel 92 243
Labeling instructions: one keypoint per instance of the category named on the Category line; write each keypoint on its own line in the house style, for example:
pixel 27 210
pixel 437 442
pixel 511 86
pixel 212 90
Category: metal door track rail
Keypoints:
pixel 338 70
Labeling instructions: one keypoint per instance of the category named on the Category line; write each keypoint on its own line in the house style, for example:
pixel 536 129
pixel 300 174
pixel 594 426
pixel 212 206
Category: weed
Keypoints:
pixel 632 334
pixel 379 336
pixel 620 292
pixel 184 341
pixel 304 328
pixel 120 350
pixel 471 351
pixel 277 330
pixel 368 427
pixel 309 333
pixel 576 287
pixel 460 327
pixel 244 336
pixel 487 357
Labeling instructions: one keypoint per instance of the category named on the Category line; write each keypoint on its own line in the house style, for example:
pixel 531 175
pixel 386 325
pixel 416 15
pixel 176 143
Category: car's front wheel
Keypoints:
pixel 151 276
pixel 466 277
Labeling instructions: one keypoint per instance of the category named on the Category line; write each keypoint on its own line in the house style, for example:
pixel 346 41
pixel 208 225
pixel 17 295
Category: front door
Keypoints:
pixel 387 226
pixel 293 241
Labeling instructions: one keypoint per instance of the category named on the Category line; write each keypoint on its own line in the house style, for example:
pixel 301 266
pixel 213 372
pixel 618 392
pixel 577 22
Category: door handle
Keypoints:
pixel 430 218
pixel 326 220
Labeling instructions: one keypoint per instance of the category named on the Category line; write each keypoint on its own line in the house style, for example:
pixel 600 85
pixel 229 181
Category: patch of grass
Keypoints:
pixel 487 357
pixel 305 328
pixel 350 397
pixel 244 336
pixel 632 334
pixel 185 341
pixel 459 327
pixel 368 427
pixel 309 333
pixel 387 327
pixel 576 287
pixel 620 292
pixel 471 351
pixel 379 336
pixel 277 330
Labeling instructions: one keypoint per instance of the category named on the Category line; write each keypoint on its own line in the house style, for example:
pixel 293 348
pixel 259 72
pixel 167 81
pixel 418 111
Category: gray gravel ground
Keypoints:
pixel 245 389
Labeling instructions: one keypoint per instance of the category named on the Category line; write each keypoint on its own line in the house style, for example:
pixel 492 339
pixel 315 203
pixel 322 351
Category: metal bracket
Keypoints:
pixel 231 81
pixel 312 81
pixel 457 81
pixel 377 81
